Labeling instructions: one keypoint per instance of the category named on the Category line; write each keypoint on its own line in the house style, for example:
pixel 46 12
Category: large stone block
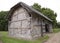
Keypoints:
pixel 25 24
pixel 14 18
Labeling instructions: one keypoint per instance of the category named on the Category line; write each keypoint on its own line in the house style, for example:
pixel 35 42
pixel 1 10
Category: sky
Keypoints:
pixel 5 5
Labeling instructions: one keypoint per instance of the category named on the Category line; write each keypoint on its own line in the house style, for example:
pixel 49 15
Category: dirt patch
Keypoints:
pixel 0 41
pixel 54 38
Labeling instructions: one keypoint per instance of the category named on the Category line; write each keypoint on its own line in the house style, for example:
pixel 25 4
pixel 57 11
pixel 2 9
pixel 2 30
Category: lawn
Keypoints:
pixel 55 30
pixel 5 39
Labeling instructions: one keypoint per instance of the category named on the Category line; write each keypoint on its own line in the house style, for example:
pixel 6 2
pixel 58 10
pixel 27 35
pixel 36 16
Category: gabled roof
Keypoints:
pixel 29 8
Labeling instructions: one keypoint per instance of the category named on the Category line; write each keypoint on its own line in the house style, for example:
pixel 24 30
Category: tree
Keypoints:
pixel 47 12
pixel 58 24
pixel 37 7
pixel 50 13
pixel 3 20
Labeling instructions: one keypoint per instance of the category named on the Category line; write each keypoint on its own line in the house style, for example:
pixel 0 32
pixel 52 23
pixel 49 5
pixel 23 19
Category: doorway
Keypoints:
pixel 46 27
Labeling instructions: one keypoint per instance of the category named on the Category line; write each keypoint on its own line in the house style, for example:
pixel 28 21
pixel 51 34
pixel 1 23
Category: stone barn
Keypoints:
pixel 27 23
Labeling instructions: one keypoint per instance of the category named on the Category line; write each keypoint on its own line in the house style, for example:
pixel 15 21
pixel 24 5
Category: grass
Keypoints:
pixel 6 39
pixel 55 30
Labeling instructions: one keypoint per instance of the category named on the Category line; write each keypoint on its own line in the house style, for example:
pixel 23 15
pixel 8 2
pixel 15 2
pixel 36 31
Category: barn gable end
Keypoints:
pixel 19 25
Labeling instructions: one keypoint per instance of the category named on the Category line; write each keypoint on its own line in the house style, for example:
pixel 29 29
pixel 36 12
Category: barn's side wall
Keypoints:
pixel 19 26
pixel 38 26
pixel 35 26
pixel 50 27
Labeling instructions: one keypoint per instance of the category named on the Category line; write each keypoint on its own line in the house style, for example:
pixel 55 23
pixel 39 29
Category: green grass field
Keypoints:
pixel 55 30
pixel 5 39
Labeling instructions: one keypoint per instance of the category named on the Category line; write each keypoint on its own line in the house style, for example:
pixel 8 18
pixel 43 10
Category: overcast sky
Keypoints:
pixel 52 4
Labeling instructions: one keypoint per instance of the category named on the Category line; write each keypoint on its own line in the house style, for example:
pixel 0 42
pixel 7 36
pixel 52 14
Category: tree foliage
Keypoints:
pixel 47 12
pixel 58 24
pixel 3 20
pixel 37 7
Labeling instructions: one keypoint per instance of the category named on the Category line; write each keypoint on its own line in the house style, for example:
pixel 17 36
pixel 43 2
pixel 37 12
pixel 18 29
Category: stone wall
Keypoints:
pixel 19 26
pixel 35 26
pixel 50 27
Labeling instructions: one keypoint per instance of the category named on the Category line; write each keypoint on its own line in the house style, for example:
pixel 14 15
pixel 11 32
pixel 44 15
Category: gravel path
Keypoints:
pixel 0 41
pixel 54 39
